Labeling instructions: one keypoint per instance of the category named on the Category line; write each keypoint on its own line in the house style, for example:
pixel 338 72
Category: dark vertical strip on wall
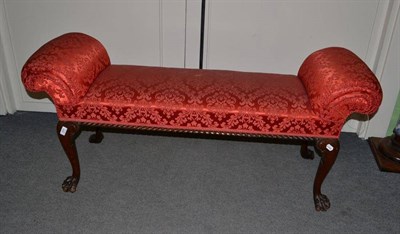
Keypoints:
pixel 203 13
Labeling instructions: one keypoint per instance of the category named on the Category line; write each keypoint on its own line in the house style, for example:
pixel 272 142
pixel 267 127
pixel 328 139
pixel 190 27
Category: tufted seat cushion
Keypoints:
pixel 205 100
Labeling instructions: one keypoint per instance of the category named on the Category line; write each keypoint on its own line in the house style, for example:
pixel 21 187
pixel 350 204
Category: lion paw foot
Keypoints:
pixel 321 202
pixel 70 184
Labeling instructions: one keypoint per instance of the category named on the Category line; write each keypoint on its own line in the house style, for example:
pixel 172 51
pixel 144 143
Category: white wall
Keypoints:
pixel 3 108
pixel 388 69
pixel 276 36
pixel 250 35
pixel 7 102
pixel 134 32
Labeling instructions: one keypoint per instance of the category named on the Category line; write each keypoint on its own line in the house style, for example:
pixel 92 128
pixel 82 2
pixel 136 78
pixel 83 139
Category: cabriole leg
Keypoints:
pixel 67 133
pixel 328 149
pixel 97 137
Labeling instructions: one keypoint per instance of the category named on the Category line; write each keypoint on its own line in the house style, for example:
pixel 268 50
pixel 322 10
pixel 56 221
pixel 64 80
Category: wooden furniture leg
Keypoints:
pixel 386 152
pixel 328 149
pixel 67 133
pixel 305 152
pixel 97 137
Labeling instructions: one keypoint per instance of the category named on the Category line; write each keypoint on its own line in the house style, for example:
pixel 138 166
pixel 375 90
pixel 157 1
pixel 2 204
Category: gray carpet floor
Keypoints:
pixel 134 183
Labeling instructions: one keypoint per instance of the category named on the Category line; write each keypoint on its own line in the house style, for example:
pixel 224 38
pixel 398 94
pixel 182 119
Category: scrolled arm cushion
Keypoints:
pixel 65 67
pixel 339 83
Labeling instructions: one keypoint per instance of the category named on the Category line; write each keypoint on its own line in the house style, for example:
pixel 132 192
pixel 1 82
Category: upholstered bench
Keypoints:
pixel 75 71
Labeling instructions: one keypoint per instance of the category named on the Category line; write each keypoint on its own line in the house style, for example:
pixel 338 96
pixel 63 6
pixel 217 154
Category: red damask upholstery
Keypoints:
pixel 75 71
pixel 65 67
pixel 339 83
pixel 200 100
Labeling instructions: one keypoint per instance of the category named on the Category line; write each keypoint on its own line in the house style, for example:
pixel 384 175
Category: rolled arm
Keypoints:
pixel 339 83
pixel 65 67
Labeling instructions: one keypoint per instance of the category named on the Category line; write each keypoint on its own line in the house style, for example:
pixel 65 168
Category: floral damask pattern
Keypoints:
pixel 200 100
pixel 66 65
pixel 201 120
pixel 217 90
pixel 339 83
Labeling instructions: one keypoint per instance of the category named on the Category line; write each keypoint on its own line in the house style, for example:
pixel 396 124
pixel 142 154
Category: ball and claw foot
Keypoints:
pixel 321 202
pixel 70 184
